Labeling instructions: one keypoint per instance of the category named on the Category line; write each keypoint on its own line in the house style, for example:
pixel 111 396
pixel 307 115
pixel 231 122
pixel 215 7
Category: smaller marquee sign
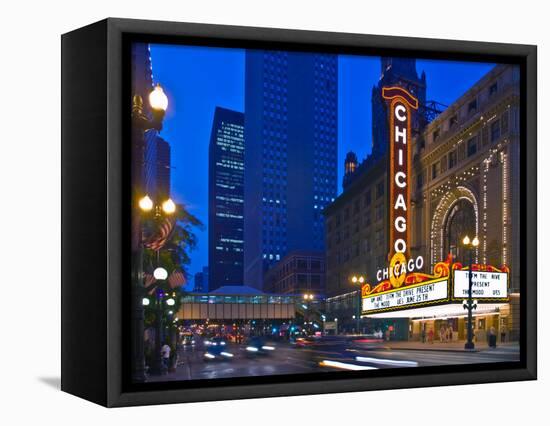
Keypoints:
pixel 485 284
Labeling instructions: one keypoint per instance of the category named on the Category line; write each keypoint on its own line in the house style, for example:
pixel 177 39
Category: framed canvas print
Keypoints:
pixel 255 212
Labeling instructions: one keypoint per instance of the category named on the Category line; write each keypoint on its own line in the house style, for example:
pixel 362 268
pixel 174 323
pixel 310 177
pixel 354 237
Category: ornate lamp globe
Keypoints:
pixel 160 273
pixel 158 99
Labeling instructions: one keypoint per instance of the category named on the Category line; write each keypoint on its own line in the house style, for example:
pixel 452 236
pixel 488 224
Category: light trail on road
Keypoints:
pixel 386 361
pixel 345 365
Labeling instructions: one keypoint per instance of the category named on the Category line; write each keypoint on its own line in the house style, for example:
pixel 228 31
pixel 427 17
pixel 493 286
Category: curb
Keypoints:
pixel 433 349
pixel 443 349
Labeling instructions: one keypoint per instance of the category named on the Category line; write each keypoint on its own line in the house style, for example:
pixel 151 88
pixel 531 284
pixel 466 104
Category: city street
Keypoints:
pixel 332 355
pixel 241 260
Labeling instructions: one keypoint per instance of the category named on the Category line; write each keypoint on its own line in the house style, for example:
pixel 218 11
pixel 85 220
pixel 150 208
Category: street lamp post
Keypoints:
pixel 167 207
pixel 157 358
pixel 358 279
pixel 469 305
pixel 160 274
pixel 308 298
pixel 140 124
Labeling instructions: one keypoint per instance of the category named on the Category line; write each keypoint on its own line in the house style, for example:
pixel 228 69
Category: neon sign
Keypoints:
pixel 401 102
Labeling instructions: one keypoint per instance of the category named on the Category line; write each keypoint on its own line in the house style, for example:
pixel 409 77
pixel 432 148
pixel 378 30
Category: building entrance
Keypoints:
pixel 460 222
pixel 454 329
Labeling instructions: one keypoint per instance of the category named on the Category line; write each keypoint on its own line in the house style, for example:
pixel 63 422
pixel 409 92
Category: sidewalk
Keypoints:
pixel 457 346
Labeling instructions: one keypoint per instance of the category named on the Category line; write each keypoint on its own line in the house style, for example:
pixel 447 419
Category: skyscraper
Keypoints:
pixel 201 281
pixel 225 199
pixel 157 166
pixel 163 168
pixel 291 122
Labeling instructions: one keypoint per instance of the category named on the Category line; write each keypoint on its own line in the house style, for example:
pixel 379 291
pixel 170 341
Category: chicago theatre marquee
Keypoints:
pixel 454 178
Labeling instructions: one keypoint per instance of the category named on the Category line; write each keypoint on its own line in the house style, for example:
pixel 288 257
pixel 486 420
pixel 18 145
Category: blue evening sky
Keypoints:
pixel 197 79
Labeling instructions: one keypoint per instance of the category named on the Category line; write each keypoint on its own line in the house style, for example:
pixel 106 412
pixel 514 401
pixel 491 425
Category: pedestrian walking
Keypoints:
pixel 165 355
pixel 431 335
pixel 450 333
pixel 492 337
pixel 423 334
pixel 503 334
pixel 442 334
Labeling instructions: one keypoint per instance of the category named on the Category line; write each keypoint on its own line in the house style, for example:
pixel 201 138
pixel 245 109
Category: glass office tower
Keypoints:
pixel 291 123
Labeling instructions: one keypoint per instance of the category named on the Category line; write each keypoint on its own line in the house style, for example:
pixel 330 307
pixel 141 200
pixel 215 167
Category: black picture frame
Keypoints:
pixel 95 212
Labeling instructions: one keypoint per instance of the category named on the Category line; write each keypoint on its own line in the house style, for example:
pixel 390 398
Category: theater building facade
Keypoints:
pixel 462 179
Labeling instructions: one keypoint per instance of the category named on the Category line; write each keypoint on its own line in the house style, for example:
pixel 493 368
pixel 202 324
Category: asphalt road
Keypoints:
pixel 288 359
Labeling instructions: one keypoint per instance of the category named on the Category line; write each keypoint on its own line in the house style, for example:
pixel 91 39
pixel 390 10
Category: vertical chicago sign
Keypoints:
pixel 400 104
pixel 401 285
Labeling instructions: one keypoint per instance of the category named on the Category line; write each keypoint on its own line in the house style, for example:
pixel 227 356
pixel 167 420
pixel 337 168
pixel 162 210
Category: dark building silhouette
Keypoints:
pixel 298 273
pixel 157 166
pixel 291 142
pixel 225 199
pixel 156 169
pixel 141 73
pixel 201 281
pixel 350 165
pixel 163 168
